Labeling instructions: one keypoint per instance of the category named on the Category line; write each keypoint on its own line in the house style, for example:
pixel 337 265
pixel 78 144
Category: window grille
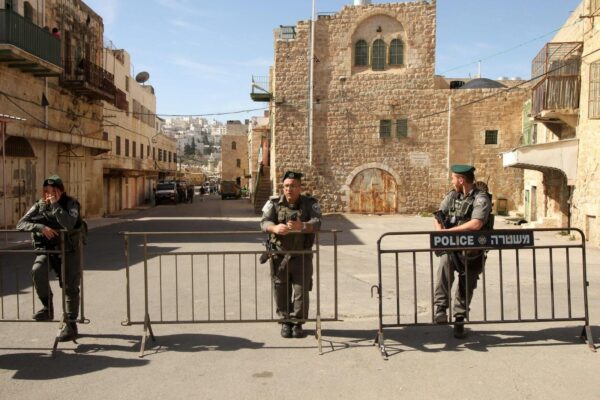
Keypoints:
pixel 396 52
pixel 385 128
pixel 402 127
pixel 491 137
pixel 594 100
pixel 378 56
pixel 361 53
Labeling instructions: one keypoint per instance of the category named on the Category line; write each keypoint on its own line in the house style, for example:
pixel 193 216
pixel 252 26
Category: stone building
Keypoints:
pixel 258 159
pixel 54 83
pixel 234 159
pixel 140 154
pixel 384 129
pixel 561 149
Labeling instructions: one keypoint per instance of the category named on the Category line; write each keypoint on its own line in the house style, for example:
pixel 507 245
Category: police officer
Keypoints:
pixel 54 212
pixel 466 208
pixel 291 221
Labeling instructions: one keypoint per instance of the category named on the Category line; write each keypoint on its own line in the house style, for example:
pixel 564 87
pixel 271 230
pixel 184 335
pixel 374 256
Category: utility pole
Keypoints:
pixel 311 84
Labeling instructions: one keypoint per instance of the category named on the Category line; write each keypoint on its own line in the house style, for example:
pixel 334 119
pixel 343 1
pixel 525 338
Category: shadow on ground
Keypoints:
pixel 87 357
pixel 439 339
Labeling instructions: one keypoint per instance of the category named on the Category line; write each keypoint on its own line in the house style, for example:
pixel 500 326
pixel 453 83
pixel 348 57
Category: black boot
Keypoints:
pixel 68 332
pixel 459 328
pixel 46 313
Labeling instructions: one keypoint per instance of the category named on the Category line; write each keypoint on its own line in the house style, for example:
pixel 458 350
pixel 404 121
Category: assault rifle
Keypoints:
pixel 446 224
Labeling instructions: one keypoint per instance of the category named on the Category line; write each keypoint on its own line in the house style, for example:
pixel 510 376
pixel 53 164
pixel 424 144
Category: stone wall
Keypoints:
pixel 350 102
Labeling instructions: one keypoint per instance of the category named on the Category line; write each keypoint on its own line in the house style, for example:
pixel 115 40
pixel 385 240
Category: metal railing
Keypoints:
pixel 24 34
pixel 528 291
pixel 211 286
pixel 16 296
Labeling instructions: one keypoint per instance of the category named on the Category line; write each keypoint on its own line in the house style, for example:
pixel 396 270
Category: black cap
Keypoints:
pixel 462 169
pixel 292 175
pixel 54 181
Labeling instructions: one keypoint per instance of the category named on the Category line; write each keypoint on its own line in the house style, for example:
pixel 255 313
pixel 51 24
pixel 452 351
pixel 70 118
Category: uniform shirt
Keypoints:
pixel 278 211
pixel 481 207
pixel 64 214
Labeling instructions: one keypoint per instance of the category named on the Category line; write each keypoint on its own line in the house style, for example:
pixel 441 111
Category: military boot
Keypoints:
pixel 440 315
pixel 286 330
pixel 298 332
pixel 459 328
pixel 46 313
pixel 68 332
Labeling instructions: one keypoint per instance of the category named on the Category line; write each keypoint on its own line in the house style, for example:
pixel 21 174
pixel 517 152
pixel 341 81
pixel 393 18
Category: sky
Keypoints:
pixel 201 55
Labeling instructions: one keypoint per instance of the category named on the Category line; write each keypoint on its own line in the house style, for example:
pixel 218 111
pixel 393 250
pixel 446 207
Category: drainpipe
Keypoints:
pixel 311 84
pixel 2 131
pixel 449 130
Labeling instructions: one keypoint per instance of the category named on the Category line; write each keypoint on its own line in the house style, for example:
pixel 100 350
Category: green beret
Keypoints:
pixel 53 180
pixel 462 169
pixel 292 175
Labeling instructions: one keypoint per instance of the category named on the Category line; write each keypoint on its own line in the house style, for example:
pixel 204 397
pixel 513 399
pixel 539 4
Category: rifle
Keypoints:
pixel 446 224
pixel 269 253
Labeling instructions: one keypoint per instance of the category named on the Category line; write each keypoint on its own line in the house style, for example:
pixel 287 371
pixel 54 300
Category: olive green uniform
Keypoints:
pixel 62 215
pixel 292 273
pixel 459 209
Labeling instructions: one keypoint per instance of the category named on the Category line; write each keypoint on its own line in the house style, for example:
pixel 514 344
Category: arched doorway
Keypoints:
pixel 20 179
pixel 373 191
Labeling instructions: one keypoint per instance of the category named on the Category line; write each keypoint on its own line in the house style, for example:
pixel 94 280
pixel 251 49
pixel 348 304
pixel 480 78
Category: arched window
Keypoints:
pixel 17 146
pixel 361 53
pixel 378 56
pixel 28 11
pixel 396 52
pixel 233 146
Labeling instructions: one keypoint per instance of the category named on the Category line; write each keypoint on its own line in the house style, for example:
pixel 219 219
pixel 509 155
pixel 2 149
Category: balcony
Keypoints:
pixel 27 47
pixel 555 96
pixel 260 91
pixel 84 78
pixel 121 100
pixel 560 155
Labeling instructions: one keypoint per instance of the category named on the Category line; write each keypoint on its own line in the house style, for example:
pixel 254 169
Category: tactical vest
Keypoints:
pixel 285 214
pixel 460 210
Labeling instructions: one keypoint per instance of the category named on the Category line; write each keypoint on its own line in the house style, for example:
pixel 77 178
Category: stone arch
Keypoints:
pixel 17 146
pixel 372 188
pixel 368 28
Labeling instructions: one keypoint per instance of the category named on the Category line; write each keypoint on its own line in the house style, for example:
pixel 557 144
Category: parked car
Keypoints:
pixel 230 189
pixel 166 192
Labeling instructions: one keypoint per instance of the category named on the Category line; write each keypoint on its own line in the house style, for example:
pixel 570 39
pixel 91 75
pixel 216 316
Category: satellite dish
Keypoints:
pixel 142 77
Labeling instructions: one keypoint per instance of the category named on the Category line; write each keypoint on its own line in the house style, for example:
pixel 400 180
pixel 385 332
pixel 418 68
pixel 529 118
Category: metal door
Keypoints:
pixel 373 191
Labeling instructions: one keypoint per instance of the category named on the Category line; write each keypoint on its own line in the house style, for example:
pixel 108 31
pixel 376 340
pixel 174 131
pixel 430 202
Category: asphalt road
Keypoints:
pixel 223 358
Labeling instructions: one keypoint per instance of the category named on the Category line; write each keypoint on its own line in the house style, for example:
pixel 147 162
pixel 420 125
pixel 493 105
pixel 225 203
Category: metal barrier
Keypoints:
pixel 538 275
pixel 239 278
pixel 4 297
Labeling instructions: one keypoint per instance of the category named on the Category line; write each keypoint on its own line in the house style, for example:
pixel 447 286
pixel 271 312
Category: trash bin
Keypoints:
pixel 502 207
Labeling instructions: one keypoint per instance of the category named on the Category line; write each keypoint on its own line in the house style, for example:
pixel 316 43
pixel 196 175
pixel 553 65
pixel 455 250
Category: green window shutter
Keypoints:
pixel 378 56
pixel 361 53
pixel 491 137
pixel 402 127
pixel 396 52
pixel 385 128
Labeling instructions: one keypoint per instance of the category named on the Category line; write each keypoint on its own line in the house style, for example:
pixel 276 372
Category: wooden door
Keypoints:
pixel 373 191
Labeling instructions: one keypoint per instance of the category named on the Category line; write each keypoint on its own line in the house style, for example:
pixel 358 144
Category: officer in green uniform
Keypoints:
pixel 466 208
pixel 291 221
pixel 56 211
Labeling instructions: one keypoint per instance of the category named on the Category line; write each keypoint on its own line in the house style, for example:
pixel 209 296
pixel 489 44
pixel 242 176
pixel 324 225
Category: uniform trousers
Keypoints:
pixel 40 274
pixel 467 281
pixel 292 282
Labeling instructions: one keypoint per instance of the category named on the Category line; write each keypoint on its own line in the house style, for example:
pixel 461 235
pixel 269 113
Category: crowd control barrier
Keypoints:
pixel 533 275
pixel 181 278
pixel 14 289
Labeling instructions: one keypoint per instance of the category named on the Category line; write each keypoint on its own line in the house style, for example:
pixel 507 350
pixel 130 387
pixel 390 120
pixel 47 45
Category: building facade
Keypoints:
pixel 384 129
pixel 53 83
pixel 561 150
pixel 140 154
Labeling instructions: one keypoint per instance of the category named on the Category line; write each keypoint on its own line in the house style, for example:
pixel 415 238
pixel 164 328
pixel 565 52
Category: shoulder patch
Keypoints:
pixel 74 212
pixel 316 207
pixel 267 207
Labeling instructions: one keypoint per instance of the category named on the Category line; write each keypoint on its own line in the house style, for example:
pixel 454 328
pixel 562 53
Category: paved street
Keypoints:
pixel 250 360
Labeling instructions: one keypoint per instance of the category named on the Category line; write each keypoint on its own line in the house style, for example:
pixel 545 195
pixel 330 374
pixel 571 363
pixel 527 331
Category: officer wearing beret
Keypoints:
pixel 54 212
pixel 466 208
pixel 291 221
